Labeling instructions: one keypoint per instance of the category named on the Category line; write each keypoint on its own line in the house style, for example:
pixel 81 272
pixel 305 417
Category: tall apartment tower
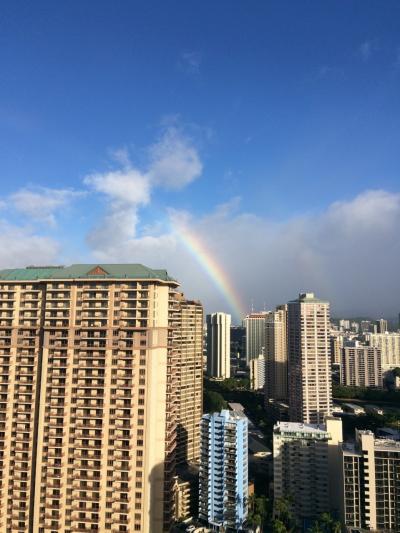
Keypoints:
pixel 361 366
pixel 219 345
pixel 306 466
pixel 88 404
pixel 255 334
pixel 276 373
pixel 223 490
pixel 189 373
pixel 310 386
pixel 370 470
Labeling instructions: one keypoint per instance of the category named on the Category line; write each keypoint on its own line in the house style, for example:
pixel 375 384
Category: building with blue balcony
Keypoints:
pixel 223 490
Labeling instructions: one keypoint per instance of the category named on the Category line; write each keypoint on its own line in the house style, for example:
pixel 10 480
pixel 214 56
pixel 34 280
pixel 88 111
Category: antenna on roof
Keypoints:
pixel 252 305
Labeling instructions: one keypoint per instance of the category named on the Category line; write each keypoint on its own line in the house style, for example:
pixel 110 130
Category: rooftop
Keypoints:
pixel 298 427
pixel 237 407
pixel 308 297
pixel 84 271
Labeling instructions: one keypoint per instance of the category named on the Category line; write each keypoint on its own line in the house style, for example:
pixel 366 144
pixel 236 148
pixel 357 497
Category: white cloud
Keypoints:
pixel 174 161
pixel 123 187
pixel 41 203
pixel 20 247
pixel 349 254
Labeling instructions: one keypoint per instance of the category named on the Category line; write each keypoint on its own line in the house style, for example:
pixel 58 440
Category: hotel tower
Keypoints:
pixel 89 398
pixel 309 365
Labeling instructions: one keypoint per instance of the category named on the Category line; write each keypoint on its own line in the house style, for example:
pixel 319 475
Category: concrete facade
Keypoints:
pixel 219 345
pixel 88 401
pixel 309 364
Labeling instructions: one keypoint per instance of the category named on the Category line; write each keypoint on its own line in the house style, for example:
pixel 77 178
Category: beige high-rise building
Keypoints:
pixel 189 379
pixel 306 466
pixel 276 374
pixel 336 340
pixel 88 404
pixel 310 383
pixel 361 366
pixel 370 470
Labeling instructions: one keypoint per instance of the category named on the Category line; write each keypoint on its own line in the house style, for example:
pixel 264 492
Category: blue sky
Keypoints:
pixel 288 112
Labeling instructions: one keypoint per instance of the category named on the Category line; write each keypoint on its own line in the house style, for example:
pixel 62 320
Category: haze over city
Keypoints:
pixel 252 146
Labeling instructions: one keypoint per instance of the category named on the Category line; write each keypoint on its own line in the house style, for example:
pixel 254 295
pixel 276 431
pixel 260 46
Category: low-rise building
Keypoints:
pixel 353 409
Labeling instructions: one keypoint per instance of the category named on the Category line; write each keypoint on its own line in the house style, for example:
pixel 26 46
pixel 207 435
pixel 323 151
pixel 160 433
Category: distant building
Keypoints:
pixel 366 326
pixel 310 383
pixel 306 459
pixel 370 470
pixel 255 334
pixel 336 344
pixel 218 345
pixel 381 325
pixel 257 373
pixel 389 346
pixel 238 342
pixel 276 379
pixel 344 325
pixel 223 485
pixel 353 408
pixel 361 366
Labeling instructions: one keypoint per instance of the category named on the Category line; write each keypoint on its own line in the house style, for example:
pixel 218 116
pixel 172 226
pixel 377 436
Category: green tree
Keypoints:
pixel 278 527
pixel 258 510
pixel 396 372
pixel 213 402
pixel 326 524
pixel 283 513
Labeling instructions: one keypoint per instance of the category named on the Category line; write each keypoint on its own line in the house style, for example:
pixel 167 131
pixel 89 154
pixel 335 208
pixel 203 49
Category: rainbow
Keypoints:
pixel 213 269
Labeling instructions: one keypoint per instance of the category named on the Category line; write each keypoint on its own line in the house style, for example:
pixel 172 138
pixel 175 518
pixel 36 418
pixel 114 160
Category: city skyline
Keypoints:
pixel 116 123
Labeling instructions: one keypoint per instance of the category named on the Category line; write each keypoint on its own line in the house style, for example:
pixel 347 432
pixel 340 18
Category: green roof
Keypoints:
pixel 87 271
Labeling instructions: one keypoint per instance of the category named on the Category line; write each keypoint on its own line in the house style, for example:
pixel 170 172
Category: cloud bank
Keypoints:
pixel 348 253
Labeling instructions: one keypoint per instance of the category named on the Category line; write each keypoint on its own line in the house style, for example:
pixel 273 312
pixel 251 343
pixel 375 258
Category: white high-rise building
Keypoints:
pixel 310 383
pixel 306 466
pixel 257 372
pixel 389 345
pixel 219 345
pixel 223 481
pixel 255 334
